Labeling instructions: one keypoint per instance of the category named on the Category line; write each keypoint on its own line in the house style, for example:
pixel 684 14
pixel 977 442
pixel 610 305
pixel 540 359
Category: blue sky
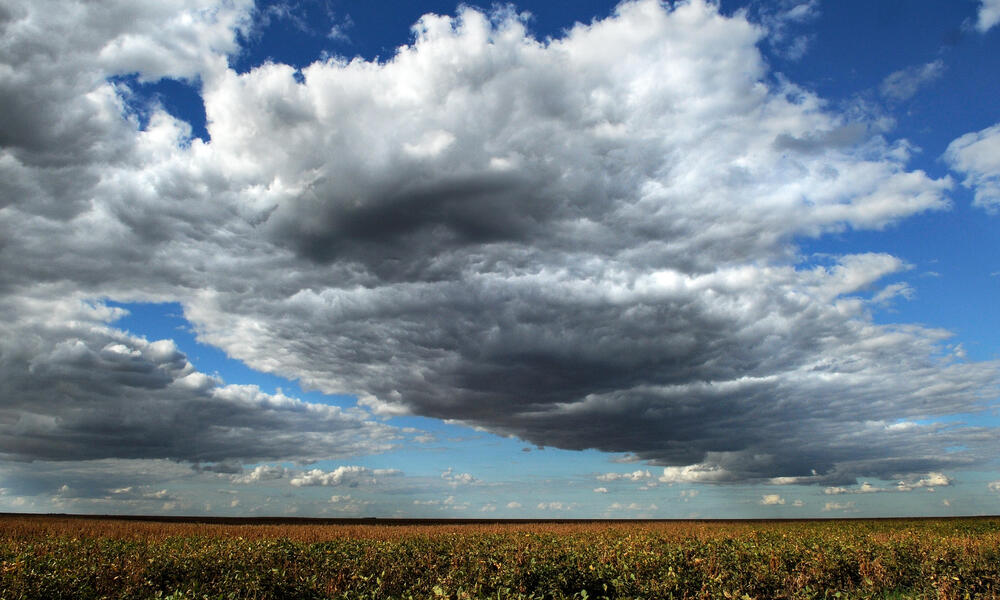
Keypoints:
pixel 544 259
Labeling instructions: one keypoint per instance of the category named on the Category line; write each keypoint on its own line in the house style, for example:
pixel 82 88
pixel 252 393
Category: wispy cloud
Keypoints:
pixel 905 83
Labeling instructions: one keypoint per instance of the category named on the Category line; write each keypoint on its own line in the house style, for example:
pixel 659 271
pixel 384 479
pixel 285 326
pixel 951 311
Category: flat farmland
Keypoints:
pixel 74 557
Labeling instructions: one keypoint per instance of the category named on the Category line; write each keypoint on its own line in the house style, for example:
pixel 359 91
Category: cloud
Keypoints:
pixel 699 473
pixel 993 486
pixel 338 30
pixel 905 483
pixel 929 481
pixel 864 488
pixel 138 486
pixel 601 490
pixel 455 479
pixel 892 291
pixel 580 248
pixel 346 475
pixel 780 20
pixel 513 505
pixel 845 506
pixel 348 504
pixel 977 155
pixel 555 506
pixel 280 11
pixel 61 112
pixel 632 506
pixel 637 475
pixel 75 388
pixel 127 495
pixel 450 503
pixel 626 458
pixel 771 500
pixel 989 15
pixel 904 84
pixel 261 473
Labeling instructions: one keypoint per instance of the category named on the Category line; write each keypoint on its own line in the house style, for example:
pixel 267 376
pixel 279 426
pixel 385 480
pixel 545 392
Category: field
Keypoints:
pixel 63 557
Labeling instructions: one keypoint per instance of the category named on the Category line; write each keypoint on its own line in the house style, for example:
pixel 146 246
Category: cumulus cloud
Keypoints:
pixel 929 482
pixel 455 479
pixel 261 473
pixel 912 479
pixel 60 110
pixel 450 503
pixel 347 504
pixel 989 15
pixel 771 500
pixel 585 242
pixel 993 486
pixel 346 475
pixel 905 83
pixel 139 486
pixel 632 506
pixel 71 498
pixel 864 488
pixel 601 490
pixel 75 388
pixel 977 155
pixel 637 475
pixel 844 506
pixel 698 473
pixel 555 506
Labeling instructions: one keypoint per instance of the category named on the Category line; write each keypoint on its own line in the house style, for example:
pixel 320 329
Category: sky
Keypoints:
pixel 557 259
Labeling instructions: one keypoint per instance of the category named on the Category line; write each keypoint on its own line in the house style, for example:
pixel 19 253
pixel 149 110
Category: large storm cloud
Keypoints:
pixel 585 242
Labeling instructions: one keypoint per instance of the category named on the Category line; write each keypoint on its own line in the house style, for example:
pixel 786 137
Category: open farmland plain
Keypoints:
pixel 73 557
